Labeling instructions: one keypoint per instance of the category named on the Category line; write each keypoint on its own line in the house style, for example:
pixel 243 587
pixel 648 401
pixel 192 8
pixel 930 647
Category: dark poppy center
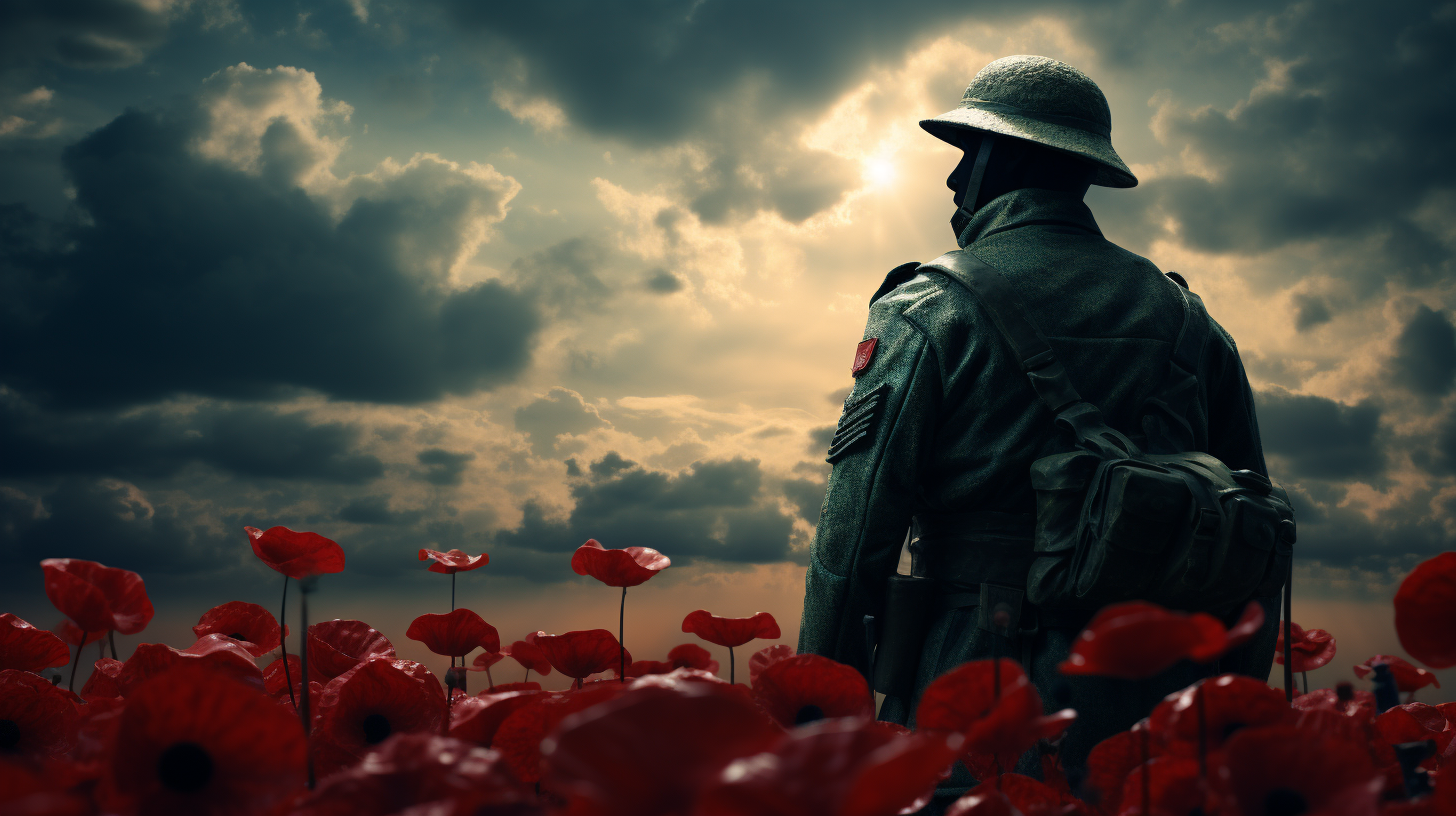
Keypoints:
pixel 808 714
pixel 376 728
pixel 1285 802
pixel 9 735
pixel 238 636
pixel 185 767
pixel 1230 728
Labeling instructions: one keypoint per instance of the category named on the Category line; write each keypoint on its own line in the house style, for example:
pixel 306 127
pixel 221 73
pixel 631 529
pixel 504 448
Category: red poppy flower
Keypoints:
pixel 580 654
pixel 1174 788
pixel 692 656
pixel 1108 766
pixel 1425 605
pixel 275 679
pixel 626 567
pixel 336 646
pixel 519 736
pixel 217 653
pixel 986 802
pixel 681 736
pixel 1279 769
pixel 730 632
pixel 297 555
pixel 485 660
pixel 839 767
pixel 1026 795
pixel 1343 699
pixel 378 697
pixel 193 741
pixel 1414 722
pixel 530 656
pixel 247 623
pixel 72 634
pixel 96 597
pixel 765 657
pixel 476 719
pixel 1311 648
pixel 1230 702
pixel 998 729
pixel 26 648
pixel 102 682
pixel 26 790
pixel 808 687
pixel 454 635
pixel 1136 640
pixel 37 719
pixel 454 561
pixel 1407 676
pixel 424 774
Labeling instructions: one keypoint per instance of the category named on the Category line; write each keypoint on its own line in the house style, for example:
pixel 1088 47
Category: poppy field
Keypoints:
pixel 234 724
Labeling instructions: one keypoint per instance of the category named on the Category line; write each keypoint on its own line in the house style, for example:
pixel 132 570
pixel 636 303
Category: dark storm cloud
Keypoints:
pixel 1348 139
pixel 80 33
pixel 1321 438
pixel 1425 353
pixel 444 468
pixel 710 510
pixel 1310 311
pixel 807 496
pixel 566 276
pixel 249 441
pixel 189 277
pixel 375 510
pixel 663 282
pixel 106 521
pixel 1345 537
pixel 1439 458
pixel 561 411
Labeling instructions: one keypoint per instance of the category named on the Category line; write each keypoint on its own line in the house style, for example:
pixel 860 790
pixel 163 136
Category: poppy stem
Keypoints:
pixel 622 647
pixel 523 679
pixel 1288 635
pixel 578 682
pixel 1304 679
pixel 730 664
pixel 77 664
pixel 488 678
pixel 305 586
pixel 452 605
pixel 283 645
pixel 111 638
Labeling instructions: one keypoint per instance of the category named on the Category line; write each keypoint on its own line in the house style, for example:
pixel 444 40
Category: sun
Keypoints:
pixel 879 171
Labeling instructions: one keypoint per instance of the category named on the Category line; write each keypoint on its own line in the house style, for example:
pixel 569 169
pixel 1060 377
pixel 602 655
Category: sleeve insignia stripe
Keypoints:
pixel 857 423
pixel 863 354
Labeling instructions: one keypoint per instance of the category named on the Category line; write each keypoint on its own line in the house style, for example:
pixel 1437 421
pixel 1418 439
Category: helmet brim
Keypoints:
pixel 1111 171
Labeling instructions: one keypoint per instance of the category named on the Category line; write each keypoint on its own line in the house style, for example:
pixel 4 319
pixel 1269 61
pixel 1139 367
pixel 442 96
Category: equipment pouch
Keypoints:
pixel 901 633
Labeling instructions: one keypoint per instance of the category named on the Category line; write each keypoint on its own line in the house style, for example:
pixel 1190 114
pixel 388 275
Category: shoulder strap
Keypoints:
pixel 1165 418
pixel 1034 354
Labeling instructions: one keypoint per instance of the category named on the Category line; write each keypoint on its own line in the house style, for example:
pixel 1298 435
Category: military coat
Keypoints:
pixel 954 426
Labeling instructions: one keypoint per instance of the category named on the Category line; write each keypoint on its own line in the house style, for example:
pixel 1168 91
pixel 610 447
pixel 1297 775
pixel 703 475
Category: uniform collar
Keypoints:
pixel 1026 207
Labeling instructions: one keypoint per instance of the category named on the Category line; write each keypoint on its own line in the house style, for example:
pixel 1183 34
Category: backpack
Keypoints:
pixel 1115 522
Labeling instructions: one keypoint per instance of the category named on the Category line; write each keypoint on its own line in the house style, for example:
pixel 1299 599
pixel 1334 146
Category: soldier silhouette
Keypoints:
pixel 942 425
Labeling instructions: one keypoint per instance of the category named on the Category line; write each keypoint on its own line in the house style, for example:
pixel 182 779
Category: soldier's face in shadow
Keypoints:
pixel 956 181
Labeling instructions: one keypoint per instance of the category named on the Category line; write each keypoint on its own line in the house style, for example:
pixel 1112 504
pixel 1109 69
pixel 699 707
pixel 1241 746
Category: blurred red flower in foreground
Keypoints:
pixel 853 766
pixel 1310 648
pixel 652 748
pixel 336 646
pixel 808 687
pixel 1281 769
pixel 763 658
pixel 1425 606
pixel 36 718
pixel 529 655
pixel 1136 640
pixel 454 635
pixel 1229 701
pixel 1407 677
pixel 453 561
pixel 476 719
pixel 1026 795
pixel 378 697
pixel 247 623
pixel 1415 722
pixel 580 654
pixel 519 736
pixel 98 598
pixel 296 554
pixel 422 774
pixel 26 648
pixel 1108 766
pixel 219 654
pixel 998 728
pixel 192 741
pixel 626 567
pixel 275 682
pixel 730 632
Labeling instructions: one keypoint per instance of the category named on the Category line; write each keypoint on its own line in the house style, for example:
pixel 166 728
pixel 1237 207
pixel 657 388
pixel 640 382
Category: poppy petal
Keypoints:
pixel 530 656
pixel 453 561
pixel 219 654
pixel 1408 677
pixel 692 656
pixel 248 623
pixel 809 687
pixel 296 554
pixel 519 736
pixel 97 597
pixel 1425 605
pixel 454 635
pixel 375 699
pixel 26 648
pixel 476 719
pixel 730 632
pixel 41 717
pixel 336 646
pixel 580 654
pixel 626 567
pixel 763 658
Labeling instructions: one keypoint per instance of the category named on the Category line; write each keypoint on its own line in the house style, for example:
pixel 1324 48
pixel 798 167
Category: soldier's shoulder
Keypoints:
pixel 913 287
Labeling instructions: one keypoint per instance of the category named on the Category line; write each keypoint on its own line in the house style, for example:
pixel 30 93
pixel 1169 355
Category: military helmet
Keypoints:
pixel 1040 100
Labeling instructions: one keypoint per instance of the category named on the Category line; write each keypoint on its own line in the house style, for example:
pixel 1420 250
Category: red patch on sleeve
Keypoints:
pixel 863 355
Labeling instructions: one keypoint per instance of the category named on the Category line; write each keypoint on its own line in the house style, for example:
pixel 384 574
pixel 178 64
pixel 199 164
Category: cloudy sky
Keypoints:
pixel 507 276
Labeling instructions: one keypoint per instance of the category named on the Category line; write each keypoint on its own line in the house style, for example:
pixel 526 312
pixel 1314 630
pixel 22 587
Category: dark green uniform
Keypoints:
pixel 953 427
